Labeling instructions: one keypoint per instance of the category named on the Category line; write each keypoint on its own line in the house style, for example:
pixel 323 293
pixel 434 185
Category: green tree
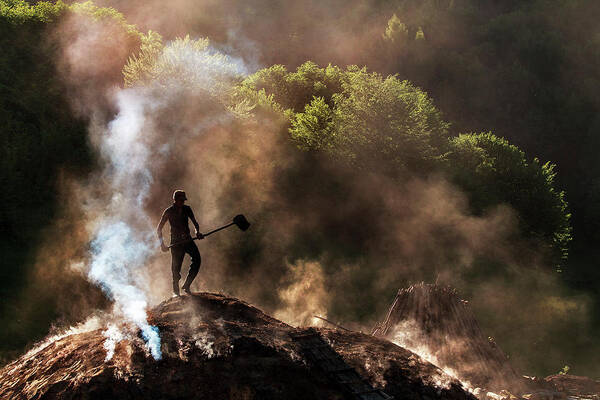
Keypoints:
pixel 293 90
pixel 392 127
pixel 493 171
pixel 179 64
pixel 388 121
pixel 139 66
pixel 313 128
pixel 20 12
pixel 359 116
pixel 396 31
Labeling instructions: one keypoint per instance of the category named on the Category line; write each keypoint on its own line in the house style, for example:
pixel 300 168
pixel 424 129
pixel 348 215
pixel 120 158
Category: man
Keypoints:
pixel 178 215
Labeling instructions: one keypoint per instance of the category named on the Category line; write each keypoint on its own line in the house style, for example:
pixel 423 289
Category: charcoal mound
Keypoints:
pixel 219 347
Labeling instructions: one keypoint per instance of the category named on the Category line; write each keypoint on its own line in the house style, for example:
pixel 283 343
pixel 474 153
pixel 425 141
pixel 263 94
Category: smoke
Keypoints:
pixel 266 32
pixel 205 342
pixel 116 259
pixel 305 296
pixel 408 335
pixel 121 232
pixel 113 336
pixel 134 148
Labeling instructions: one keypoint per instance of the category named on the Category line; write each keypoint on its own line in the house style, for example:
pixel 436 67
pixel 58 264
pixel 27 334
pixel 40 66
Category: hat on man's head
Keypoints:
pixel 179 193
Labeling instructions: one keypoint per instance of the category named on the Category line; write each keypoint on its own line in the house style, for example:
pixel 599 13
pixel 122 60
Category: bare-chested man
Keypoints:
pixel 178 215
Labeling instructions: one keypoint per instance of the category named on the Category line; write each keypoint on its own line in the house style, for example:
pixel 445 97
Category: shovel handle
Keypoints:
pixel 218 229
pixel 203 235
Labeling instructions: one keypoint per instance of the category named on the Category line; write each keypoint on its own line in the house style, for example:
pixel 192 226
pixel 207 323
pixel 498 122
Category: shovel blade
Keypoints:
pixel 241 222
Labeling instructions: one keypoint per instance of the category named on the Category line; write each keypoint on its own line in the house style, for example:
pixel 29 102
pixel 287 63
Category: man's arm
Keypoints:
pixel 198 234
pixel 159 228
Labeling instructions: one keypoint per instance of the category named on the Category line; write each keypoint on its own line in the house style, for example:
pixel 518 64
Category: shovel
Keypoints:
pixel 239 220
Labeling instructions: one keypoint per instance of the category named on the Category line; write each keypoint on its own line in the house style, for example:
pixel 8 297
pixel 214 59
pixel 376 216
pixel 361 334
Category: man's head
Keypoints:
pixel 179 197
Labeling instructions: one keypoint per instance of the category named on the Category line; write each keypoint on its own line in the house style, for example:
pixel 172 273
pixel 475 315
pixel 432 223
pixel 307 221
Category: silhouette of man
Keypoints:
pixel 178 215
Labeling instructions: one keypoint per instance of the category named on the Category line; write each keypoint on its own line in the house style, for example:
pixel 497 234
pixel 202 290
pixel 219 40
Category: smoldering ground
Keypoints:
pixel 326 238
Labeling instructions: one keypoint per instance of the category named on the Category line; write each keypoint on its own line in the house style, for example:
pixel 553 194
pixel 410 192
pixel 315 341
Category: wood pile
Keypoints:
pixel 442 325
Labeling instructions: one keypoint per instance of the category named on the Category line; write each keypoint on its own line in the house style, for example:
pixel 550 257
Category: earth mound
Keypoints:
pixel 218 347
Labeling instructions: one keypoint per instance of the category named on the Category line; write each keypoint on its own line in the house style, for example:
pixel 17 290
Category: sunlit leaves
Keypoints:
pixel 396 31
pixel 312 129
pixel 188 63
pixel 19 11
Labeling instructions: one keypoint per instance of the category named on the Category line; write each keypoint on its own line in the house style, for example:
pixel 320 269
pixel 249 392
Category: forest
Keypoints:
pixel 473 124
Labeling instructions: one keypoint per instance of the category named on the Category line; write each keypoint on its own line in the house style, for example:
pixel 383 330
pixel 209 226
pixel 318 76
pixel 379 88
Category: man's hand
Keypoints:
pixel 199 235
pixel 162 246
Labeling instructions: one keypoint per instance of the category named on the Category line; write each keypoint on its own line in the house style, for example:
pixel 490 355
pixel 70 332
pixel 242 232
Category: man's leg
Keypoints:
pixel 192 250
pixel 177 254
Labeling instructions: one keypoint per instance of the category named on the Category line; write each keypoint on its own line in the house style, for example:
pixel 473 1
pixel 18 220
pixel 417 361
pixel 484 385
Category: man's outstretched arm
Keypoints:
pixel 159 228
pixel 198 234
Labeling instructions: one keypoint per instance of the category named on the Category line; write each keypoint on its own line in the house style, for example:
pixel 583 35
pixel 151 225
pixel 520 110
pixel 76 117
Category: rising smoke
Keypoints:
pixel 134 148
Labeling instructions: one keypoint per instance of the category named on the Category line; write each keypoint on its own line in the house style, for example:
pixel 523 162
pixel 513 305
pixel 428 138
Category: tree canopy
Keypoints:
pixel 494 171
pixel 388 125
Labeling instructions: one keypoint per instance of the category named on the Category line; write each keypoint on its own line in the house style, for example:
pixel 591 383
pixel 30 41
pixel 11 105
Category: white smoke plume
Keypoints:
pixel 134 148
pixel 113 336
pixel 305 297
pixel 119 248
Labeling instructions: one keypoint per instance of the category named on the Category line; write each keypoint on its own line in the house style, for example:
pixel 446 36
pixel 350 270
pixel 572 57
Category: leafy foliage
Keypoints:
pixel 527 70
pixel 40 133
pixel 395 31
pixel 390 126
pixel 38 130
pixel 293 90
pixel 179 64
pixel 138 67
pixel 20 12
pixel 313 128
pixel 355 114
pixel 494 171
pixel 104 14
pixel 387 121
